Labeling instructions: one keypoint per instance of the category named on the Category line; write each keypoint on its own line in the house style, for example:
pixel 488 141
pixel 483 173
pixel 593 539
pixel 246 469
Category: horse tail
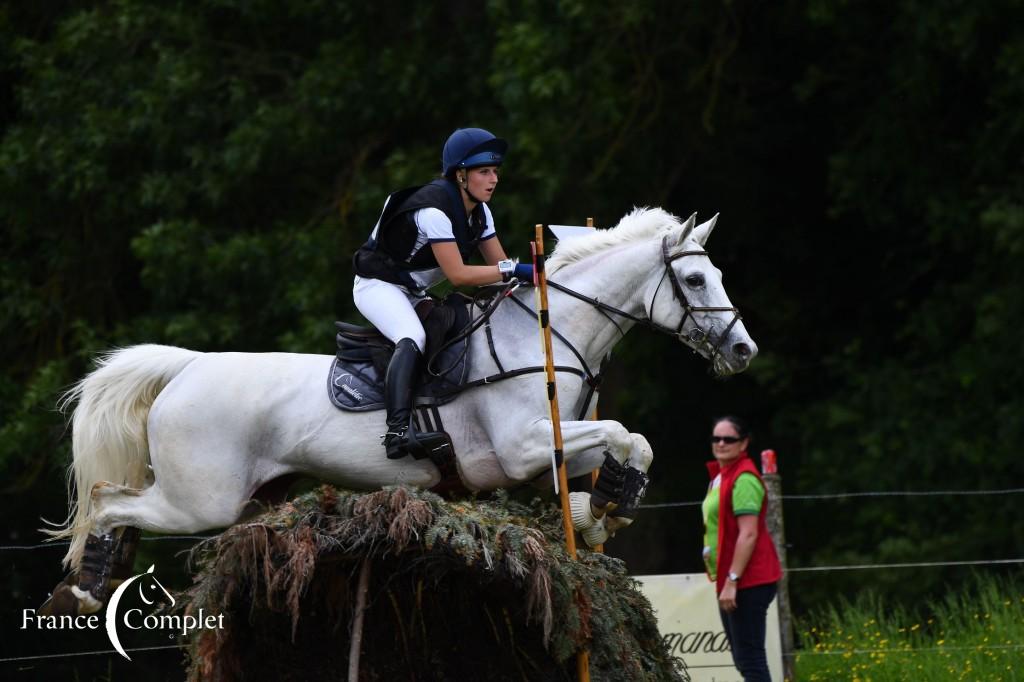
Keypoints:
pixel 109 440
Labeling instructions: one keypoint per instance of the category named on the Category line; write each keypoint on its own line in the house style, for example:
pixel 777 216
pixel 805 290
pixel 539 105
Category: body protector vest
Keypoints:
pixel 389 255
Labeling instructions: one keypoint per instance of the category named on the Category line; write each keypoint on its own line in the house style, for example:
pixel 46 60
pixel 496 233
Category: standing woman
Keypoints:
pixel 738 551
pixel 424 235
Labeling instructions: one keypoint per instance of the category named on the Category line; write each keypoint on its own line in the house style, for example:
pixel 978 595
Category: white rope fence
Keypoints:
pixel 664 505
pixel 101 652
pixel 927 564
pixel 841 496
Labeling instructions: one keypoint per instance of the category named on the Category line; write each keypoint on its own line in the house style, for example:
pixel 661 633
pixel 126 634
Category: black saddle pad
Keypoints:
pixel 356 379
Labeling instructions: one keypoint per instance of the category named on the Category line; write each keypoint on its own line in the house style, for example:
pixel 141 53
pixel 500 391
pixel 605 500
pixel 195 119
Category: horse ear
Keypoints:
pixel 703 231
pixel 687 229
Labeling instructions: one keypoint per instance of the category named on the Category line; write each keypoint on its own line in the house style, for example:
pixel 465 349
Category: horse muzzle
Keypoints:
pixel 735 357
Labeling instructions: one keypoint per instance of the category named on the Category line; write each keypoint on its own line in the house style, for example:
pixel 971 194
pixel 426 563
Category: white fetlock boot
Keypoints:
pixel 583 520
pixel 580 511
pixel 596 534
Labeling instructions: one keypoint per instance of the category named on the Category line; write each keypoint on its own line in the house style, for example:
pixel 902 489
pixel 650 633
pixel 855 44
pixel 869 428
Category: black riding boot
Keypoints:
pixel 399 385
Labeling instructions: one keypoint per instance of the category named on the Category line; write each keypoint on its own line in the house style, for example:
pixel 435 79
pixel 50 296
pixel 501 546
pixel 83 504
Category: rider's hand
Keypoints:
pixel 524 273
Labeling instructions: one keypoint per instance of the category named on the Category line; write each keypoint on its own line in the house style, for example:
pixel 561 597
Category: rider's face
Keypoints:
pixel 482 181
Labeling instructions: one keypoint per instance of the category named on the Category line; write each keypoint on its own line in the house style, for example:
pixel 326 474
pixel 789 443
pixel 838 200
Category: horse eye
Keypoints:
pixel 695 280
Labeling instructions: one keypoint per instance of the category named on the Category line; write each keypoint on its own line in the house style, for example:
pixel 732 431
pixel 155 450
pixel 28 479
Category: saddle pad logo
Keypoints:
pixel 348 390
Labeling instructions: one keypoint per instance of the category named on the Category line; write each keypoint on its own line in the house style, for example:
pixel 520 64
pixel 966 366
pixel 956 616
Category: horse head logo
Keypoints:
pixel 153 588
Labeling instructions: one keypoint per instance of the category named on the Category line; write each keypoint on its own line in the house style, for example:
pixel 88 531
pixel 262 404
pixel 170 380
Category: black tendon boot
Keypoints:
pixel 399 383
pixel 608 488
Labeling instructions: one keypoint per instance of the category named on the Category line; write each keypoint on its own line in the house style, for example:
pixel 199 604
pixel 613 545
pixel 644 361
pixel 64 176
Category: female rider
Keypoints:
pixel 424 235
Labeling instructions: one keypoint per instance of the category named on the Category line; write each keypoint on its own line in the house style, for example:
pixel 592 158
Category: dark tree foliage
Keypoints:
pixel 199 173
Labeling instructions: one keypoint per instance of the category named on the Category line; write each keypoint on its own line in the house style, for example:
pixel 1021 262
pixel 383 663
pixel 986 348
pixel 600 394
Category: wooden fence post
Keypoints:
pixel 777 528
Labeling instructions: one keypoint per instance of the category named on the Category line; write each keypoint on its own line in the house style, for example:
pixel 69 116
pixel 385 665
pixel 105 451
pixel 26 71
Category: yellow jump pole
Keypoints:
pixel 593 417
pixel 583 657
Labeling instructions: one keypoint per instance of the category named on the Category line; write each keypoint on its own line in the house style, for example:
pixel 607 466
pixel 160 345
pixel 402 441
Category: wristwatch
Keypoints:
pixel 507 268
pixel 733 577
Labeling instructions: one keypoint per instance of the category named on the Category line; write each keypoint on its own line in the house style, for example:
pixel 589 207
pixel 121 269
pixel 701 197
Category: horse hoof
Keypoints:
pixel 616 523
pixel 597 534
pixel 62 602
pixel 579 509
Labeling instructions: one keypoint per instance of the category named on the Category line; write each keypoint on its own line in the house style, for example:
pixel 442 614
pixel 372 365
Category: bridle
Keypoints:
pixel 697 337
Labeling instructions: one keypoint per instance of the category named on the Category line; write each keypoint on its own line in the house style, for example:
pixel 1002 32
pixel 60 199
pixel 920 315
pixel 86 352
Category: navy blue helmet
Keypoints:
pixel 471 148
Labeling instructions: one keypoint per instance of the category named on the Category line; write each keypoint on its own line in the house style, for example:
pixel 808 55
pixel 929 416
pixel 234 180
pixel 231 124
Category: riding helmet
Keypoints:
pixel 471 148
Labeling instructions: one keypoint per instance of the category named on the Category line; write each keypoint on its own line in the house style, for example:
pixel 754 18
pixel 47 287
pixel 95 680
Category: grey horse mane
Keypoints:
pixel 640 223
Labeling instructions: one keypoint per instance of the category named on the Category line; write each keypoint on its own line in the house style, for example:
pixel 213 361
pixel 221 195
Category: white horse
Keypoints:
pixel 176 441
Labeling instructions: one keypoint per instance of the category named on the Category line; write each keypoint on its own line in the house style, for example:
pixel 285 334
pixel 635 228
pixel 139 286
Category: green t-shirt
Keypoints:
pixel 747 498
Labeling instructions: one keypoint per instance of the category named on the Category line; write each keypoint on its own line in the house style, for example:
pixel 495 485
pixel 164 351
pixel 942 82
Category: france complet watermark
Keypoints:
pixel 150 591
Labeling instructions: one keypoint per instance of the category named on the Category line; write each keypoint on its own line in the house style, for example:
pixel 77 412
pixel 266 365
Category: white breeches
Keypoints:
pixel 390 309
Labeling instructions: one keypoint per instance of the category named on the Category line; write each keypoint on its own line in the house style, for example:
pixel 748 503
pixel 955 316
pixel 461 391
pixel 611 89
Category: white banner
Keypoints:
pixel 687 612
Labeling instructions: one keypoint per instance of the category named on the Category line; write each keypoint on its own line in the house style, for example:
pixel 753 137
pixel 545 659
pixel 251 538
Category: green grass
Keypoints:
pixel 976 633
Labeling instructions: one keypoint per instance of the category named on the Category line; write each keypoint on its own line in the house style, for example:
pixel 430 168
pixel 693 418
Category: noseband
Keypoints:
pixel 697 335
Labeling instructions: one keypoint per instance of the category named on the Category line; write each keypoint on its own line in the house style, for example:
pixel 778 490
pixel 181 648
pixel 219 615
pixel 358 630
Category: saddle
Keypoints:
pixel 356 381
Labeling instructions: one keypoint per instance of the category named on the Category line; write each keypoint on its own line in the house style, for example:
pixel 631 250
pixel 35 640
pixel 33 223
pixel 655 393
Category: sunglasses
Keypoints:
pixel 728 440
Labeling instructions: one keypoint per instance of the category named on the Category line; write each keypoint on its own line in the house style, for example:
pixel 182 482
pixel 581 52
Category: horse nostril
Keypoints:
pixel 741 350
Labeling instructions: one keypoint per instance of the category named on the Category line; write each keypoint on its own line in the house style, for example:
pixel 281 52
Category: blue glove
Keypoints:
pixel 524 272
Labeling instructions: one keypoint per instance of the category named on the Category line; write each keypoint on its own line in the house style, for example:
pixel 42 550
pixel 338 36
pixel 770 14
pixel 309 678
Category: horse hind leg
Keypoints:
pixel 85 589
pixel 109 558
pixel 123 563
pixel 106 562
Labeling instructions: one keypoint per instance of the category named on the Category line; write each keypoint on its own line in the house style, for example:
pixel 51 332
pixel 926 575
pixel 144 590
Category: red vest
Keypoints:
pixel 764 566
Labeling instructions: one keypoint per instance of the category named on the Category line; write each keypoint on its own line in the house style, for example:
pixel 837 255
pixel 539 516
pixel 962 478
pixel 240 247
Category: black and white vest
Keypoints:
pixel 391 253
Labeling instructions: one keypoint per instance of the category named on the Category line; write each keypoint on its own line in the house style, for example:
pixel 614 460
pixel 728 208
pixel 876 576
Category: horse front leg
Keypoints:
pixel 621 482
pixel 586 444
pixel 633 487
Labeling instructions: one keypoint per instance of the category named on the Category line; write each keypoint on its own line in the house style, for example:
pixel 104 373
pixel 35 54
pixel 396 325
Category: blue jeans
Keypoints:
pixel 745 630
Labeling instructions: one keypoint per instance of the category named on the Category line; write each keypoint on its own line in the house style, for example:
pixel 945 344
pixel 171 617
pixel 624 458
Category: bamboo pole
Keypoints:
pixel 583 657
pixel 593 417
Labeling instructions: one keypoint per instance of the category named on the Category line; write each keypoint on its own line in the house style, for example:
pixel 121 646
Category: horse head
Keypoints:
pixel 689 300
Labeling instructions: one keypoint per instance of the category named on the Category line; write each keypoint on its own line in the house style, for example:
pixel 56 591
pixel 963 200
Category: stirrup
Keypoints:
pixel 396 443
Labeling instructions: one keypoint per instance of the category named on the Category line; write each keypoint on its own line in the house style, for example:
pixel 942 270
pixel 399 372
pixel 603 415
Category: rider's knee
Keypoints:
pixel 419 338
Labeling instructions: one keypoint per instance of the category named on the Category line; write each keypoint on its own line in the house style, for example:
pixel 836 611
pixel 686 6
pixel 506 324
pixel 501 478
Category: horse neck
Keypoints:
pixel 619 278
